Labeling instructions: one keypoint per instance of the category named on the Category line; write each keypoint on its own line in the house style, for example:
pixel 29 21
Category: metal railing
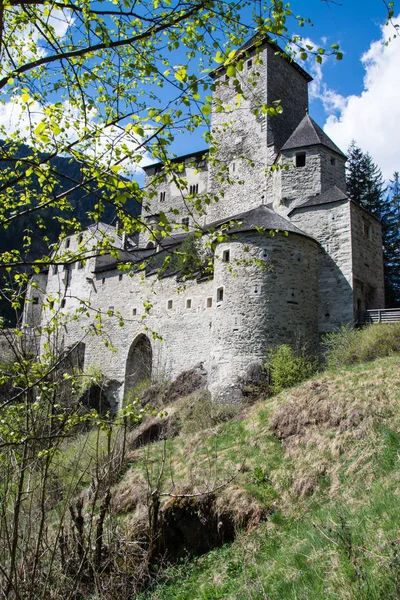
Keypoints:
pixel 378 315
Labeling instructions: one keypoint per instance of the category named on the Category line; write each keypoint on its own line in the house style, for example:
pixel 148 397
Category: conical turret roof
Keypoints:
pixel 308 133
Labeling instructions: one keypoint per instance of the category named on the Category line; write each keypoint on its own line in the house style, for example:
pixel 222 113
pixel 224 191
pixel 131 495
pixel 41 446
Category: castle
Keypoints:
pixel 305 258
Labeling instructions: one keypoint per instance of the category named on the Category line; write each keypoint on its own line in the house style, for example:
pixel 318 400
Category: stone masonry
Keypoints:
pixel 300 260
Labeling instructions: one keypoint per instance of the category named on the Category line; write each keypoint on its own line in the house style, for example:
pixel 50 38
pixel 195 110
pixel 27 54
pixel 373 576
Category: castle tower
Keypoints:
pixel 248 139
pixel 310 165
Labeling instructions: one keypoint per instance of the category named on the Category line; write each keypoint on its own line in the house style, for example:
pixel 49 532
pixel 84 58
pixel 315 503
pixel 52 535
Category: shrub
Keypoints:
pixel 200 412
pixel 287 368
pixel 348 346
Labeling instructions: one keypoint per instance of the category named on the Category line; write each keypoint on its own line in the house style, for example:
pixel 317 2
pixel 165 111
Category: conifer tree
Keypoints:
pixel 364 180
pixel 391 242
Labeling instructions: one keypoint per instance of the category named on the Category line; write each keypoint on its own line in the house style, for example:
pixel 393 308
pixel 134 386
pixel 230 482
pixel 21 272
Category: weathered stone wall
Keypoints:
pixel 286 83
pixel 330 224
pixel 260 307
pixel 34 300
pixel 367 260
pixel 168 195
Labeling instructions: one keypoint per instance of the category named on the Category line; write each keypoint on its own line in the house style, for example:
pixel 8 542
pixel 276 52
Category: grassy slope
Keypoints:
pixel 324 459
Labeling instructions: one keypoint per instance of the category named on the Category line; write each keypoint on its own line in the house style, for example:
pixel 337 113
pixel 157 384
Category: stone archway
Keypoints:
pixel 138 363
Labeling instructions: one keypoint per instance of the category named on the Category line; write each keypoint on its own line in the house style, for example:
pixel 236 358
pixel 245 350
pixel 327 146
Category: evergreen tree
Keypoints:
pixel 364 180
pixel 390 217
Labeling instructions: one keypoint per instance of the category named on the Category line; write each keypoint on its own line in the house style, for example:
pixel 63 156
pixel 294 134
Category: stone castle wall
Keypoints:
pixel 260 306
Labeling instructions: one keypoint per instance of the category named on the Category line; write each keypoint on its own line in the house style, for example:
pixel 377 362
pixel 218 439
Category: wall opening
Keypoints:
pixel 226 256
pixel 138 363
pixel 301 159
pixel 220 294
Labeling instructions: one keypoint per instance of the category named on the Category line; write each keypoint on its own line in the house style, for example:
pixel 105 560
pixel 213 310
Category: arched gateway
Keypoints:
pixel 138 363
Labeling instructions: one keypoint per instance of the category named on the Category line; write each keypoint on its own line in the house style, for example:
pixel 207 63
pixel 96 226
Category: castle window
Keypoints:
pixel 120 277
pixel 220 294
pixel 80 265
pixel 189 303
pixel 67 243
pixel 333 161
pixel 54 269
pixel 51 304
pixel 162 196
pixel 35 300
pixel 209 302
pixel 103 281
pixel 236 322
pixel 170 304
pixel 249 63
pixel 185 222
pixel 150 245
pixel 367 230
pixel 63 303
pixel 134 312
pixel 226 256
pixel 194 189
pixel 301 159
pixel 264 254
pixel 233 167
pixel 80 238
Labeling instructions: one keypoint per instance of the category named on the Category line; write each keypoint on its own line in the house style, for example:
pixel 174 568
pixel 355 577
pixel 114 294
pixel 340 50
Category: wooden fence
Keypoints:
pixel 378 315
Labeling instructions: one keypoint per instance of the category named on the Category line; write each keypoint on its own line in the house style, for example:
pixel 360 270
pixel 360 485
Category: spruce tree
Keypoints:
pixel 390 217
pixel 364 180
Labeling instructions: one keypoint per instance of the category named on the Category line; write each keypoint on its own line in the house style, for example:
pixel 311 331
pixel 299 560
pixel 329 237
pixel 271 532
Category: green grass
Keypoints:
pixel 333 490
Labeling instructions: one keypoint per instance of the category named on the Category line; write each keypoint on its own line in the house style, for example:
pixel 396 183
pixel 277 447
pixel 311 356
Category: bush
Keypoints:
pixel 287 368
pixel 348 346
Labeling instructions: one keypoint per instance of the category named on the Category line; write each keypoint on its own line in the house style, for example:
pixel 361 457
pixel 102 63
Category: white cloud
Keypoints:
pixel 106 144
pixel 372 118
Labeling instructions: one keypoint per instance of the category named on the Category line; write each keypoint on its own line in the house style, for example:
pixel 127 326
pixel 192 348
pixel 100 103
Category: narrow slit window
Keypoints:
pixel 80 238
pixel 249 63
pixel 209 302
pixel 35 300
pixel 185 222
pixel 63 303
pixel 333 161
pixel 226 256
pixel 301 159
pixel 162 196
pixel 134 312
pixel 67 243
pixel 80 265
pixel 170 304
pixel 120 277
pixel 220 294
pixel 189 303
pixel 103 281
pixel 194 189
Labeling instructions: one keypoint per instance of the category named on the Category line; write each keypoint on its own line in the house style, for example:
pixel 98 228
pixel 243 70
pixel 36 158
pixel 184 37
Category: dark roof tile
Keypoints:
pixel 308 133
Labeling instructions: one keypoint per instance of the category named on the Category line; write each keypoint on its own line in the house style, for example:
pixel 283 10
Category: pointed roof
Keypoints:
pixel 308 133
pixel 263 217
pixel 334 194
pixel 261 40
